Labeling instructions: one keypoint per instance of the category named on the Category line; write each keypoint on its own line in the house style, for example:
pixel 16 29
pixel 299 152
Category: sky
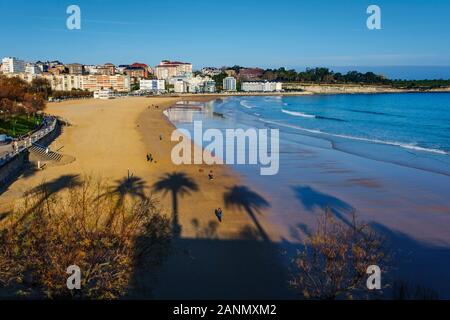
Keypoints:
pixel 265 33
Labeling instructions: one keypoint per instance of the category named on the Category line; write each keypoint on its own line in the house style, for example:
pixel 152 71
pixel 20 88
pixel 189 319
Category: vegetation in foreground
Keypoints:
pixel 334 261
pixel 109 233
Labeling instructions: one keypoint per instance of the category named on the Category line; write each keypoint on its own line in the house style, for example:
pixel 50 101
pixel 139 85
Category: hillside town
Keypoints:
pixel 168 77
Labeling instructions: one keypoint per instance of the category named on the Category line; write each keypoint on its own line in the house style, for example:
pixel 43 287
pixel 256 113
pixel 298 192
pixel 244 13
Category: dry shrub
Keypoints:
pixel 106 234
pixel 335 259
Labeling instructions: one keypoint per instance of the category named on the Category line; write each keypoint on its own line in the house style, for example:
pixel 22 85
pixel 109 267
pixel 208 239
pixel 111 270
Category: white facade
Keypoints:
pixel 91 69
pixel 32 69
pixel 103 94
pixel 152 85
pixel 180 86
pixel 12 65
pixel 262 86
pixel 229 84
pixel 200 84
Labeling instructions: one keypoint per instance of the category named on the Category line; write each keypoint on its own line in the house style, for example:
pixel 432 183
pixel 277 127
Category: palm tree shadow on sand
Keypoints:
pixel 179 184
pixel 243 198
pixel 129 186
pixel 312 199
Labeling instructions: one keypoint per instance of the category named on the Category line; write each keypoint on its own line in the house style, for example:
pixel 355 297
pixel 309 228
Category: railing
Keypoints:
pixel 25 143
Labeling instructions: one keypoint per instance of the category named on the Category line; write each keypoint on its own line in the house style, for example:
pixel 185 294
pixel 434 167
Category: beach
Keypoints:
pixel 110 139
pixel 265 218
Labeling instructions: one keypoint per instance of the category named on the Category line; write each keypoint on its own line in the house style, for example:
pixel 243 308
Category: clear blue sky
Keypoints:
pixel 266 33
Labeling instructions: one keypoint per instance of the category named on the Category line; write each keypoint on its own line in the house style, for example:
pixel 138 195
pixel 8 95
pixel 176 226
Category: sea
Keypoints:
pixel 385 157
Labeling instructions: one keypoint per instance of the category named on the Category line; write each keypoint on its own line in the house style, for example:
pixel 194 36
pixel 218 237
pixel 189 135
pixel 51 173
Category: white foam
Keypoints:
pixel 298 114
pixel 409 146
pixel 245 104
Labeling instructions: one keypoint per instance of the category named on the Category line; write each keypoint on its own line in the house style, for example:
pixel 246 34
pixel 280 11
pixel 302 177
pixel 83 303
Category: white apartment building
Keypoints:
pixel 262 86
pixel 168 69
pixel 91 69
pixel 229 84
pixel 152 85
pixel 180 86
pixel 32 69
pixel 12 65
pixel 103 94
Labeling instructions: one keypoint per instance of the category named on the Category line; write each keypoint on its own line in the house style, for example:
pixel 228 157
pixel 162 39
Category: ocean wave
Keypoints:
pixel 298 114
pixel 310 116
pixel 245 104
pixel 409 146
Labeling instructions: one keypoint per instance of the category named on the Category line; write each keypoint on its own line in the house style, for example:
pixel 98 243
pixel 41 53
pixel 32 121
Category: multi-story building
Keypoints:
pixel 180 86
pixel 103 94
pixel 90 69
pixel 229 84
pixel 43 66
pixel 24 76
pixel 13 65
pixel 152 85
pixel 262 86
pixel 136 72
pixel 148 70
pixel 168 69
pixel 64 82
pixel 209 86
pixel 57 69
pixel 32 69
pixel 118 82
pixel 75 68
pixel 200 84
pixel 108 69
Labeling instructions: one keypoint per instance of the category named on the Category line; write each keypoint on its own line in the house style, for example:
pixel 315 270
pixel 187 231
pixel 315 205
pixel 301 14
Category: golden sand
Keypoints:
pixel 110 138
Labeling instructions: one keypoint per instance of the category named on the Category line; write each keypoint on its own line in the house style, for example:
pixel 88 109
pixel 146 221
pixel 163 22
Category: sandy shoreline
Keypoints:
pixel 232 259
pixel 211 260
pixel 110 137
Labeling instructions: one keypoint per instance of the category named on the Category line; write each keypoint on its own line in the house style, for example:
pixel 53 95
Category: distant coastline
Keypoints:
pixel 311 89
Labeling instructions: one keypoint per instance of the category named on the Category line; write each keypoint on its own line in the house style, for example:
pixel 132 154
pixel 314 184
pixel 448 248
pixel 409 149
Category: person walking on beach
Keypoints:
pixel 219 214
pixel 210 175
